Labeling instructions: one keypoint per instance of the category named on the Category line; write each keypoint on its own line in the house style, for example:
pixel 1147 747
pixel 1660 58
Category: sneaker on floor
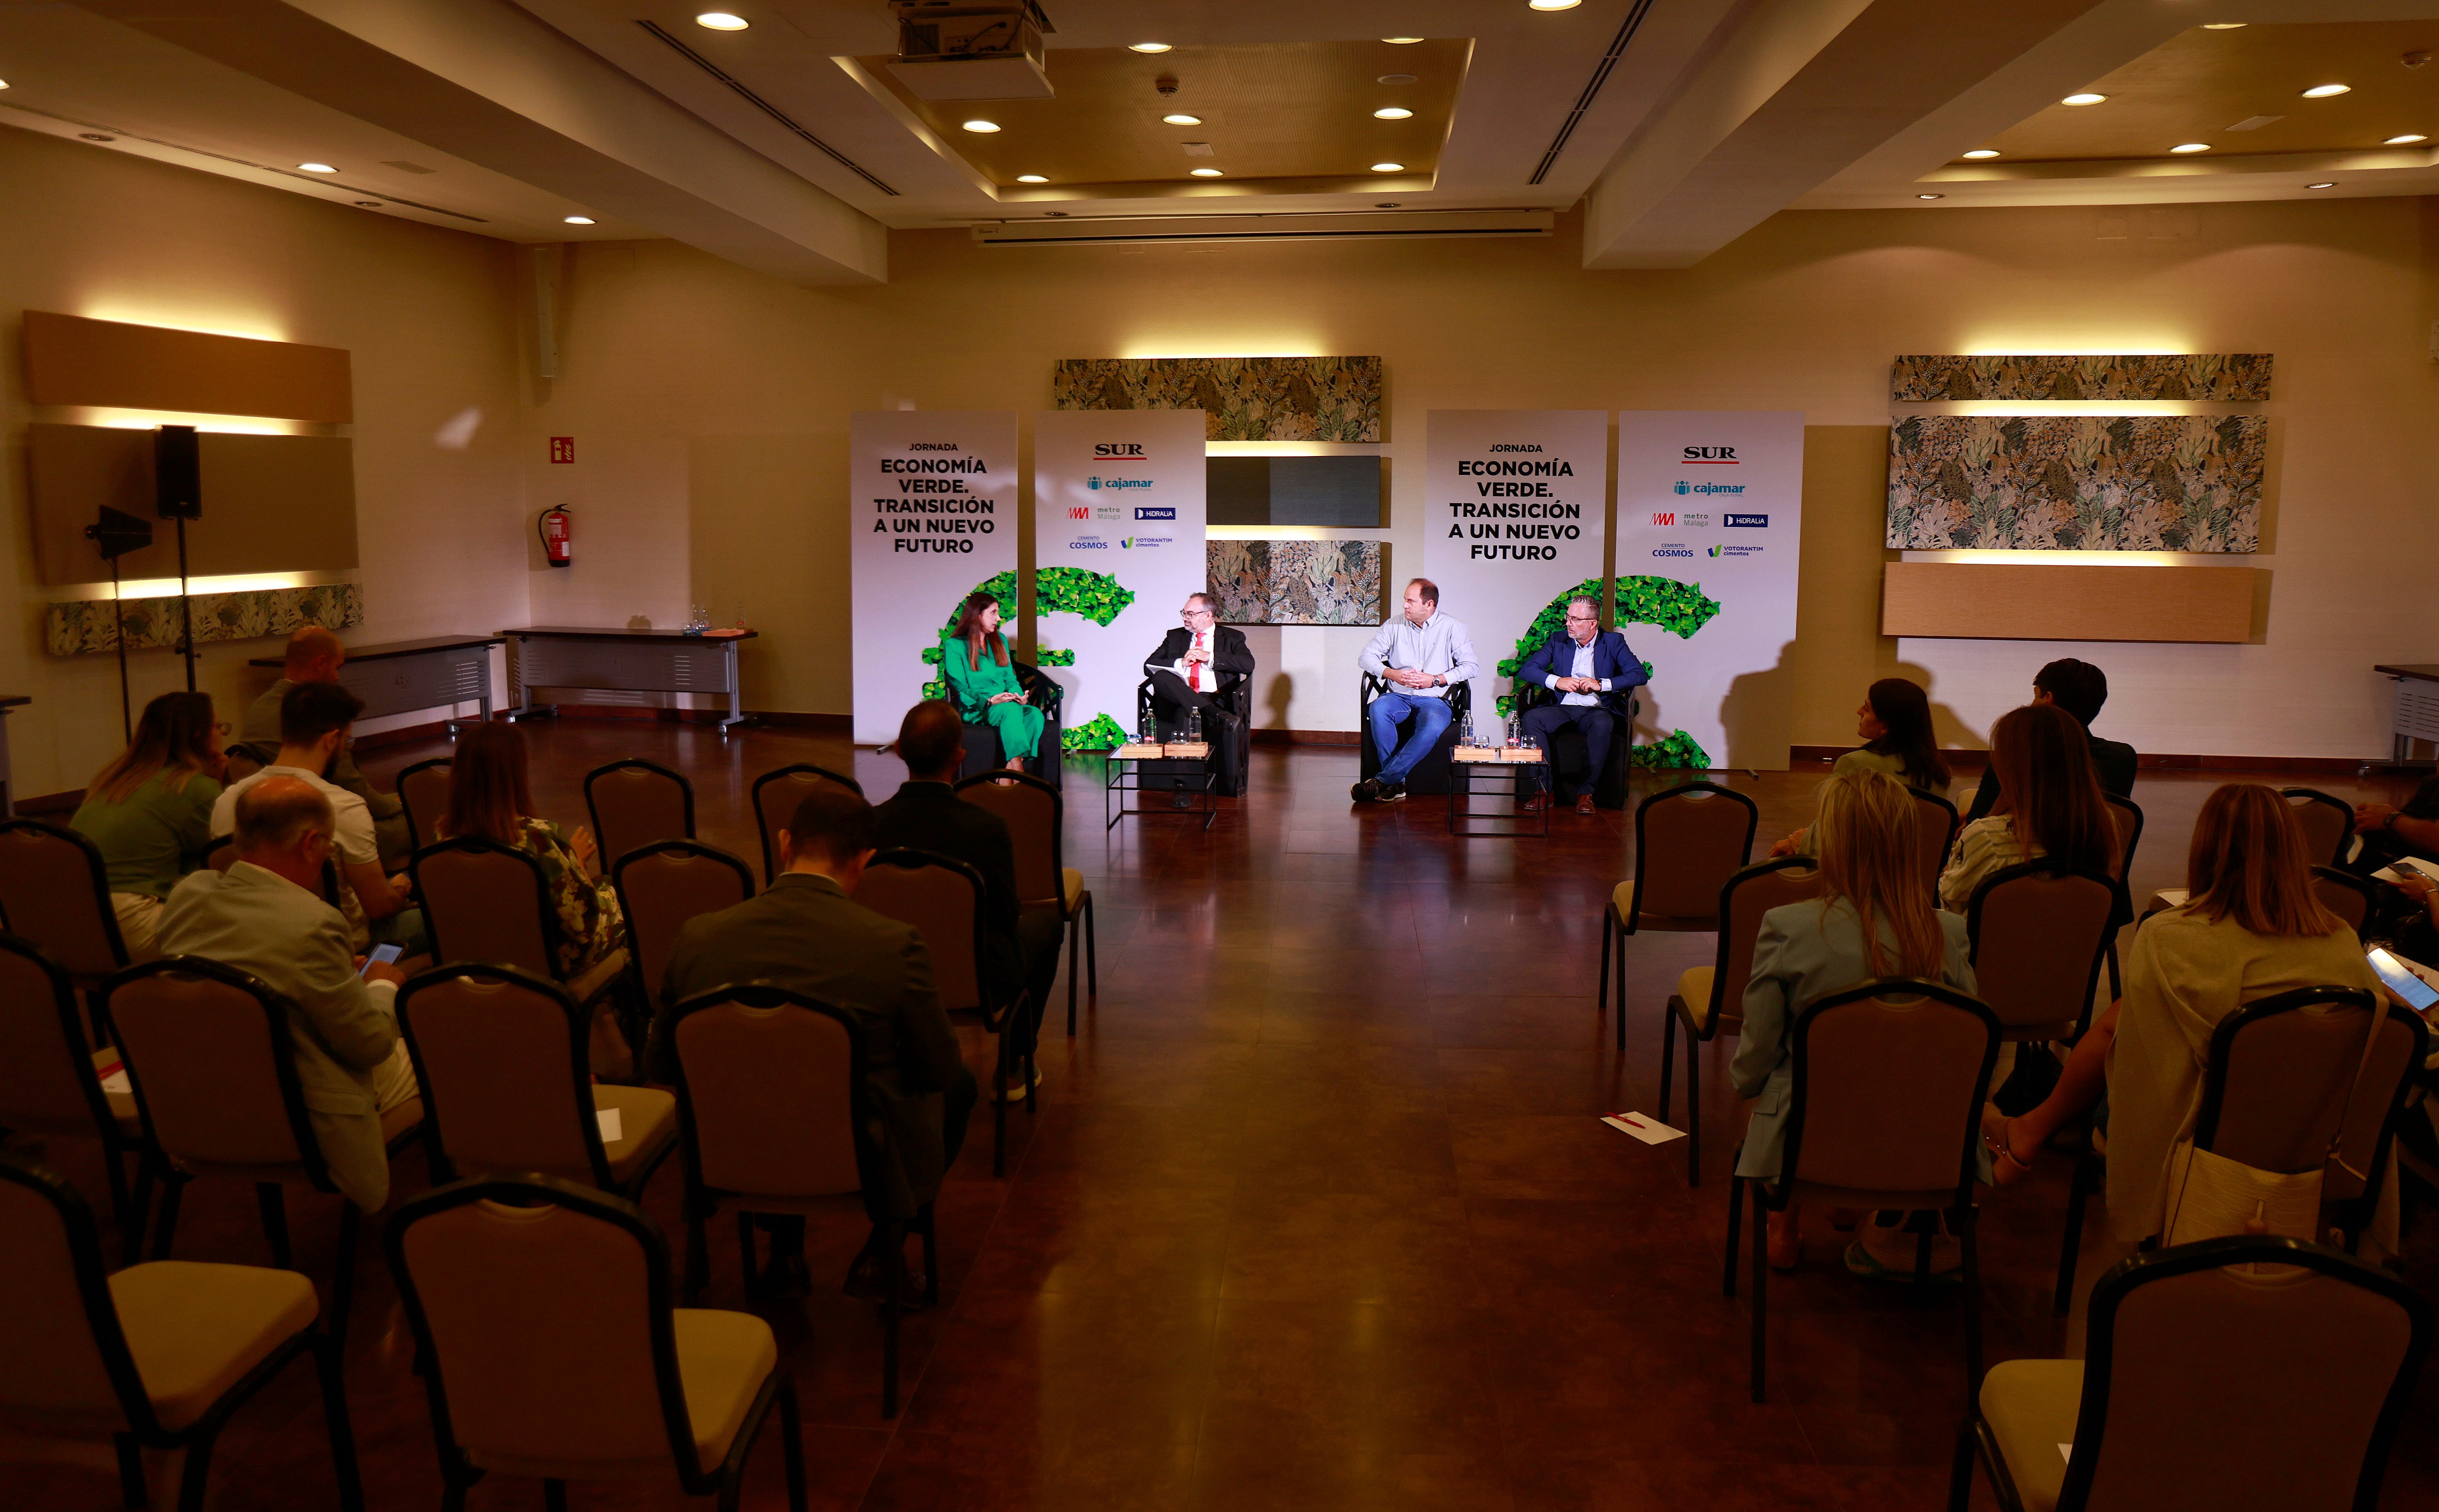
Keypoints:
pixel 1393 793
pixel 1017 1090
pixel 1367 791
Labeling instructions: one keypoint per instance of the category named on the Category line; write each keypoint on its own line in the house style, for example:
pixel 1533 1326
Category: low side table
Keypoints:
pixel 1464 762
pixel 1122 775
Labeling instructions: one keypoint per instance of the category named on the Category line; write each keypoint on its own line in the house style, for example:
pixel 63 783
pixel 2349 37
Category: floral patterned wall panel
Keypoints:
pixel 76 628
pixel 1296 583
pixel 1247 399
pixel 2077 481
pixel 2226 376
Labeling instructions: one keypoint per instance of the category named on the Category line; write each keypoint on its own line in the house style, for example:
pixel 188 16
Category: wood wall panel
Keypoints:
pixel 271 503
pixel 71 360
pixel 2066 601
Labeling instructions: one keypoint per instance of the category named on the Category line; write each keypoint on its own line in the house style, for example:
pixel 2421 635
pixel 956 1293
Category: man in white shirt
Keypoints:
pixel 1193 665
pixel 314 720
pixel 1422 654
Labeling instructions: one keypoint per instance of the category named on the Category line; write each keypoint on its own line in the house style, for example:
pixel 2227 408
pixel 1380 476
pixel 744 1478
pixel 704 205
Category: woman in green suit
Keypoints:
pixel 985 688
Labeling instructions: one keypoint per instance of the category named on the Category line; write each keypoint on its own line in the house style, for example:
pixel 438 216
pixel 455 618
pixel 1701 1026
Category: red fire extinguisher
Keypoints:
pixel 556 544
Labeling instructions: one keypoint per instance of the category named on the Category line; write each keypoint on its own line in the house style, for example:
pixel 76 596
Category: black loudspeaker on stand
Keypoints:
pixel 178 494
pixel 114 535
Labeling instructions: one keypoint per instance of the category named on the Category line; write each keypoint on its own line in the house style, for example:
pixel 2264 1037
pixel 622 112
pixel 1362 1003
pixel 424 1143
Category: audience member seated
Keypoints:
pixel 1422 654
pixel 1590 672
pixel 1895 726
pixel 2391 832
pixel 984 688
pixel 2080 688
pixel 315 655
pixel 2050 804
pixel 2250 929
pixel 149 811
pixel 807 933
pixel 1022 948
pixel 265 916
pixel 315 719
pixel 1871 869
pixel 490 798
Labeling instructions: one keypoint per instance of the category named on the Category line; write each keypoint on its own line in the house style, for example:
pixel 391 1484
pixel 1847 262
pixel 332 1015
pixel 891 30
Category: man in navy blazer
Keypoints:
pixel 1590 671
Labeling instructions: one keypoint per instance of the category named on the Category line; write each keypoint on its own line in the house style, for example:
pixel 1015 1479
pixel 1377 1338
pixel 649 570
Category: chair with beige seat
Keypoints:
pixel 1036 820
pixel 1885 1113
pixel 157 1356
pixel 502 1059
pixel 2039 935
pixel 1711 998
pixel 55 891
pixel 1688 841
pixel 51 1080
pixel 423 794
pixel 210 1056
pixel 635 802
pixel 776 793
pixel 490 904
pixel 768 1083
pixel 551 1348
pixel 661 886
pixel 2254 1373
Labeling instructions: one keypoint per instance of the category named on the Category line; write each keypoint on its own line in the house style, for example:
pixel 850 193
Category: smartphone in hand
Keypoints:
pixel 380 955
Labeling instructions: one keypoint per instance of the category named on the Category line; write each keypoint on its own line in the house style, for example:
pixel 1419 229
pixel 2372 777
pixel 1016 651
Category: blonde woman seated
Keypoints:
pixel 149 811
pixel 1894 726
pixel 1871 869
pixel 2050 804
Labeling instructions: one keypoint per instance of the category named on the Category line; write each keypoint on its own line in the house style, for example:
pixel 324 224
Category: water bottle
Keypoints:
pixel 1514 735
pixel 1193 726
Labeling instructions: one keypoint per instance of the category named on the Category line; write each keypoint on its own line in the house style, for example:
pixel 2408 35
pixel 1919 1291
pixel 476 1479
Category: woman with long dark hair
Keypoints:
pixel 2050 804
pixel 492 798
pixel 973 660
pixel 1894 726
pixel 150 809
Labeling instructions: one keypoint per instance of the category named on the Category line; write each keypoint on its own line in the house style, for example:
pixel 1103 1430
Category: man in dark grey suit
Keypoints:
pixel 805 934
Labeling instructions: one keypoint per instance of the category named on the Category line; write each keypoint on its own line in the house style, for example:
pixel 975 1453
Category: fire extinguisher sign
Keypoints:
pixel 563 449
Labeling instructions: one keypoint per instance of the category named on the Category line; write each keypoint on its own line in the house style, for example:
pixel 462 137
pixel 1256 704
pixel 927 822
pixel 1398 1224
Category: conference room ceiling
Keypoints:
pixel 792 147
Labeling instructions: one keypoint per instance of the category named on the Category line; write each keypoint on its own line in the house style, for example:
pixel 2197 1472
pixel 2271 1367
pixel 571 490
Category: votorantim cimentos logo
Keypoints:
pixel 931 510
pixel 1515 505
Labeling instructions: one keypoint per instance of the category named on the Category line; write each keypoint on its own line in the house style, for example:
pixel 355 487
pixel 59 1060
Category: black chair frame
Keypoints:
pixel 871 1148
pixel 579 1022
pixel 417 828
pixel 130 1211
pixel 1696 1039
pixel 2345 831
pixel 1237 700
pixel 1617 772
pixel 2048 866
pixel 1770 1196
pixel 983 753
pixel 1614 930
pixel 458 1475
pixel 648 993
pixel 1078 922
pixel 1955 822
pixel 593 812
pixel 2125 869
pixel 196 1438
pixel 1975 1439
pixel 2363 887
pixel 1460 704
pixel 769 845
pixel 97 873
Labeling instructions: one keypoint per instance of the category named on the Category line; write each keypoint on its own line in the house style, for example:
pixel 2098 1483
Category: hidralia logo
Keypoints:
pixel 1683 487
pixel 1144 514
pixel 1120 452
pixel 1078 511
pixel 1756 522
pixel 1663 519
pixel 1710 457
pixel 1673 548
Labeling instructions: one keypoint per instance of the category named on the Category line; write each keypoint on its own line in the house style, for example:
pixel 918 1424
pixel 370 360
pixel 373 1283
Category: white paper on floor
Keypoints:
pixel 1649 1130
pixel 610 1131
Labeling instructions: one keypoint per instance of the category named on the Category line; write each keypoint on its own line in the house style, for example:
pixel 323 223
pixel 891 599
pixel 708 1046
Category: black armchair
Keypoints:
pixel 1238 699
pixel 1432 774
pixel 1568 757
pixel 983 753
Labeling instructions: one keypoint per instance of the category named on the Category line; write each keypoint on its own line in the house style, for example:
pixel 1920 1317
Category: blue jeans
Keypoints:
pixel 1388 711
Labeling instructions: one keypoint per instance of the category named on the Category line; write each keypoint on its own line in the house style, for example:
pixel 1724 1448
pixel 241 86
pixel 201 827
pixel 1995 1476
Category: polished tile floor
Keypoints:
pixel 1314 1211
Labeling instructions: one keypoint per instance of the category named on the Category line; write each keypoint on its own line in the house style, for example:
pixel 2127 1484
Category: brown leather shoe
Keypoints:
pixel 1534 803
pixel 1583 803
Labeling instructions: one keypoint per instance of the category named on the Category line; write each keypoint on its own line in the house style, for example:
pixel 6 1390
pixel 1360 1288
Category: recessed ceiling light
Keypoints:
pixel 578 219
pixel 2328 186
pixel 2085 98
pixel 1980 153
pixel 1031 178
pixel 1388 168
pixel 2405 140
pixel 1204 172
pixel 2224 26
pixel 1183 120
pixel 2191 147
pixel 1391 112
pixel 1554 5
pixel 1146 46
pixel 3 83
pixel 721 21
pixel 2325 91
pixel 986 128
pixel 1930 196
pixel 1401 41
pixel 315 168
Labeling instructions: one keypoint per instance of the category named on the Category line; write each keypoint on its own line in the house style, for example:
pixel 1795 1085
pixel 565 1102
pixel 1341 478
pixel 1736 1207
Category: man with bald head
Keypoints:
pixel 265 916
pixel 315 655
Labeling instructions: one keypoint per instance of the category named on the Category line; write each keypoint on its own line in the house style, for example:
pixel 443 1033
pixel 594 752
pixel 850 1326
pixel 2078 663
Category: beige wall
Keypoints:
pixel 429 317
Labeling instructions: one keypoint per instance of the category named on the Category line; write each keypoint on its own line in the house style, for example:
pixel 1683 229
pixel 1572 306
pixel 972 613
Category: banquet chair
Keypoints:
pixel 2125 815
pixel 768 1083
pixel 1886 1114
pixel 1688 841
pixel 551 1348
pixel 2327 824
pixel 55 893
pixel 982 747
pixel 502 1058
pixel 660 888
pixel 245 760
pixel 1435 773
pixel 157 1356
pixel 943 899
pixel 1035 816
pixel 635 802
pixel 1570 753
pixel 2038 933
pixel 776 796
pixel 210 1056
pixel 489 904
pixel 1711 998
pixel 1935 830
pixel 423 793
pixel 51 1081
pixel 2251 1374
pixel 2351 897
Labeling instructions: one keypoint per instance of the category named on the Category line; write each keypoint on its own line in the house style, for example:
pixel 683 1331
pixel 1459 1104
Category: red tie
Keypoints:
pixel 1194 670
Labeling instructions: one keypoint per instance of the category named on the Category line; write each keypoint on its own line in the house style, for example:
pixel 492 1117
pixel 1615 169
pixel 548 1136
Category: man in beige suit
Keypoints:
pixel 265 916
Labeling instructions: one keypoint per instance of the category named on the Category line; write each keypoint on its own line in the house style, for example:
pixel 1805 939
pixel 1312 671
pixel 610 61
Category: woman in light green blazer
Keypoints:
pixel 983 687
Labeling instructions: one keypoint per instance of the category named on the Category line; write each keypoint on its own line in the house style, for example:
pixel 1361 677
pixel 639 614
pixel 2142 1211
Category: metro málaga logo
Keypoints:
pixel 1663 519
pixel 1710 457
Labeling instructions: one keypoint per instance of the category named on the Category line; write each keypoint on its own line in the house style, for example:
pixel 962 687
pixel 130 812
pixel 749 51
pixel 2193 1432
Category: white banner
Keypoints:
pixel 932 518
pixel 1117 544
pixel 1710 526
pixel 1514 505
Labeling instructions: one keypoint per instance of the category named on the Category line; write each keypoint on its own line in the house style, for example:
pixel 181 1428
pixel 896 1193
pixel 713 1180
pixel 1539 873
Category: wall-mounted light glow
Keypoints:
pixel 1391 112
pixel 1554 5
pixel 2066 559
pixel 1206 172
pixel 1031 178
pixel 1181 118
pixel 232 583
pixel 1981 152
pixel 2085 98
pixel 2225 25
pixel 1299 347
pixel 245 327
pixel 114 420
pixel 1388 168
pixel 1146 46
pixel 2189 147
pixel 982 127
pixel 1401 41
pixel 2106 408
pixel 2405 140
pixel 721 21
pixel 578 219
pixel 315 168
pixel 2325 91
pixel 2331 185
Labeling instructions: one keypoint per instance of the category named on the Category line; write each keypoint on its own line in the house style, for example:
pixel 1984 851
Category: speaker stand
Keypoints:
pixel 186 608
pixel 118 635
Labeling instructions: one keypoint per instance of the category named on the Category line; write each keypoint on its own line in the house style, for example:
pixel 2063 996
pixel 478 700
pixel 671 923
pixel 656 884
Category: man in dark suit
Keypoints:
pixel 1020 951
pixel 2080 688
pixel 1591 671
pixel 807 933
pixel 1197 662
